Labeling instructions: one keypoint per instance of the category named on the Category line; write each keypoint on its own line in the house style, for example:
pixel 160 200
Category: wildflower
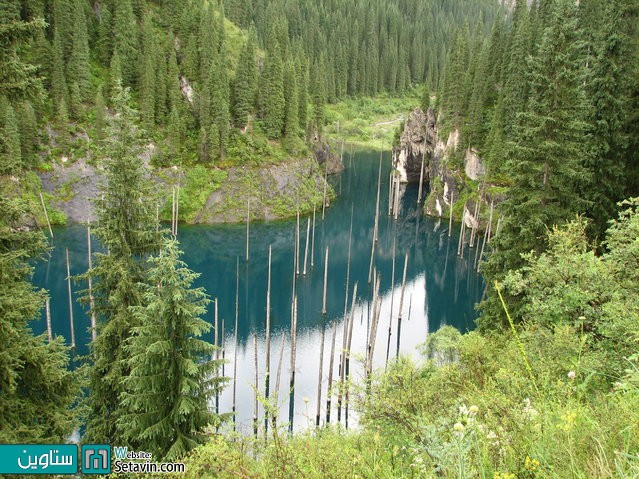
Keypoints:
pixel 474 409
pixel 493 438
pixel 568 421
pixel 504 475
pixel 463 410
pixel 531 464
pixel 529 411
pixel 458 427
pixel 571 375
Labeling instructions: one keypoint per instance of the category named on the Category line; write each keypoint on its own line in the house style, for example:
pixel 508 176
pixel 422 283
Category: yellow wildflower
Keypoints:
pixel 531 464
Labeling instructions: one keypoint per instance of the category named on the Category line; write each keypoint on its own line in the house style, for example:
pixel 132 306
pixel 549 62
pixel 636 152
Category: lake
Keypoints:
pixel 441 287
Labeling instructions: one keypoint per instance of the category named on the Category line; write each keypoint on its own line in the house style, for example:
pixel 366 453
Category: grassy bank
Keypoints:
pixel 369 122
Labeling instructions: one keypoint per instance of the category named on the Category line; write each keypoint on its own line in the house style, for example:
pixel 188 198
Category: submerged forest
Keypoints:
pixel 297 184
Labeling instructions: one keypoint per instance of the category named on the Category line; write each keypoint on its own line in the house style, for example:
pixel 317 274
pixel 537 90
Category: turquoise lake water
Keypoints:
pixel 441 287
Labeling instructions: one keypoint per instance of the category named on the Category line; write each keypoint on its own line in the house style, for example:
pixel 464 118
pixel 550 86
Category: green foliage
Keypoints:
pixel 171 376
pixel 127 228
pixel 37 390
pixel 244 83
pixel 271 94
pixel 201 181
pixel 10 150
pixel 125 41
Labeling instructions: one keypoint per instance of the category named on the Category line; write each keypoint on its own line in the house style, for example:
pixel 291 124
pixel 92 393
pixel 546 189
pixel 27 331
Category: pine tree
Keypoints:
pixel 272 102
pixel 148 82
pixel 125 45
pixel 291 122
pixel 127 229
pixel 172 376
pixel 37 390
pixel 243 88
pixel 100 115
pixel 220 117
pixel 78 67
pixel 10 149
pixel 545 159
pixel 28 132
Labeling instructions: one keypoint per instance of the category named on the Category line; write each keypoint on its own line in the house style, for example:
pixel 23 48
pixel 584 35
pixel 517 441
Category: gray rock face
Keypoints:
pixel 473 165
pixel 327 158
pixel 78 185
pixel 417 141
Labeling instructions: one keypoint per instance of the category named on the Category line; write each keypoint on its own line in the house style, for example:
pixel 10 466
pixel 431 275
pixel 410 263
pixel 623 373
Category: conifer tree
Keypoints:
pixel 10 149
pixel 104 44
pixel 302 89
pixel 172 376
pixel 291 122
pixel 78 67
pixel 173 91
pixel 100 114
pixel 125 41
pixel 271 93
pixel 37 390
pixel 546 157
pixel 28 132
pixel 127 230
pixel 148 81
pixel 59 90
pixel 243 87
pixel 612 78
pixel 219 91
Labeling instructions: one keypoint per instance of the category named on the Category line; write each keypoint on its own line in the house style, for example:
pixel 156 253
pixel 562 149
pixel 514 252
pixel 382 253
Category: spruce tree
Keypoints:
pixel 10 148
pixel 171 375
pixel 127 229
pixel 148 82
pixel 28 133
pixel 243 87
pixel 78 69
pixel 546 156
pixel 612 77
pixel 220 117
pixel 104 43
pixel 59 90
pixel 100 114
pixel 37 389
pixel 272 101
pixel 291 121
pixel 302 89
pixel 125 44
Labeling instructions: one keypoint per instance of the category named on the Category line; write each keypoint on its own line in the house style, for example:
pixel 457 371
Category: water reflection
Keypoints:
pixel 441 288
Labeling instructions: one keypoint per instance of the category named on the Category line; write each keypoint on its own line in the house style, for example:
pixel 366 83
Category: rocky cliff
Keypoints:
pixel 274 191
pixel 451 177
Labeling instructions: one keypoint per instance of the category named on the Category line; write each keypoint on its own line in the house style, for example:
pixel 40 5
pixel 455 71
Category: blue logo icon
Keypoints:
pixel 96 459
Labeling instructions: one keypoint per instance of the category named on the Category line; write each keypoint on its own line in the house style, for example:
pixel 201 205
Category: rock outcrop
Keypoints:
pixel 417 141
pixel 327 158
pixel 274 191
pixel 447 180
